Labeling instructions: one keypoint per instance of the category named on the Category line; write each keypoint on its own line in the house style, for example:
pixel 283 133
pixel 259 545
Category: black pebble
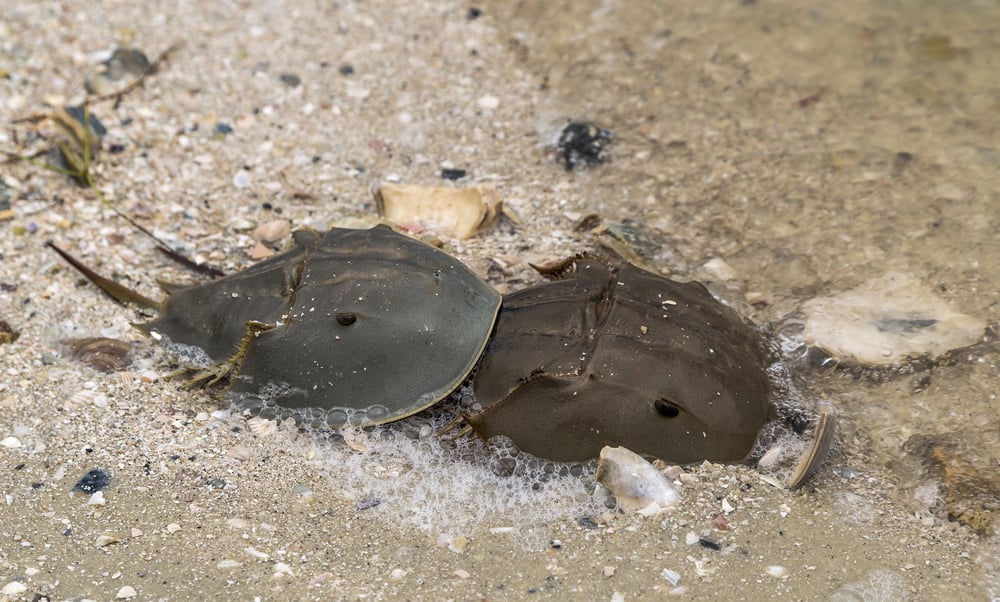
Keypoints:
pixel 708 543
pixel 474 13
pixel 453 174
pixel 587 522
pixel 583 143
pixel 346 69
pixel 222 127
pixel 290 79
pixel 92 482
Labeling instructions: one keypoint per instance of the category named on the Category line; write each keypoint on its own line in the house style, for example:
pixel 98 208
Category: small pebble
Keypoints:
pixel 260 251
pixel 290 79
pixel 397 574
pixel 488 102
pixel 97 499
pixel 11 442
pixel 173 528
pixel 229 564
pixel 719 269
pixel 272 231
pixel 126 592
pixel 672 576
pixel 691 538
pixel 462 573
pixel 14 588
pixel 609 572
pixel 776 570
pixel 241 179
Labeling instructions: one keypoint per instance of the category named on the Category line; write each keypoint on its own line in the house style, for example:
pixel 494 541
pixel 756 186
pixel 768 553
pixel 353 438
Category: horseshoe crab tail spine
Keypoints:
pixel 121 294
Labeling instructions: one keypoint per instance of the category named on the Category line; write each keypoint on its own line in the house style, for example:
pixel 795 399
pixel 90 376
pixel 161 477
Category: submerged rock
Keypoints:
pixel 887 321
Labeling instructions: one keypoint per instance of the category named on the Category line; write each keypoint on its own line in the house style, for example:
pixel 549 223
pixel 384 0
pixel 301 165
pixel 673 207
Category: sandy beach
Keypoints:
pixel 776 151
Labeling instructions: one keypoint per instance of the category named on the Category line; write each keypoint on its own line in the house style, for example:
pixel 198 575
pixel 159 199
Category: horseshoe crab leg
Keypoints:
pixel 209 377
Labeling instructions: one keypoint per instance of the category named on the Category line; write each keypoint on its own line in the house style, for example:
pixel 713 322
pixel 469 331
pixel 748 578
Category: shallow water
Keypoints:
pixel 811 147
pixel 859 137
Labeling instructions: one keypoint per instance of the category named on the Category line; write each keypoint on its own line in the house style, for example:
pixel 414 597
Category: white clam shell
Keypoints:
pixel 635 483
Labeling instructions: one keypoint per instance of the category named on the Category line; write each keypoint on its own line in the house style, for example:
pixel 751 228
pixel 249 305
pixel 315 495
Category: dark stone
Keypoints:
pixel 583 143
pixel 92 482
pixel 290 79
pixel 453 174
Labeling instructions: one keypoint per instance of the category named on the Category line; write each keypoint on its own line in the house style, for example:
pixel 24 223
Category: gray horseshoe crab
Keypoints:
pixel 347 327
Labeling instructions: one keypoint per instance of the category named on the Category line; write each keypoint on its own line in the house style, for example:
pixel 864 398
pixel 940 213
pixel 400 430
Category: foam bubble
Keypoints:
pixel 455 487
pixel 880 585
pixel 188 355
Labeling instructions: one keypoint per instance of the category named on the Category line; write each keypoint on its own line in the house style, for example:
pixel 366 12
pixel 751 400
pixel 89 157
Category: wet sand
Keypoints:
pixel 809 147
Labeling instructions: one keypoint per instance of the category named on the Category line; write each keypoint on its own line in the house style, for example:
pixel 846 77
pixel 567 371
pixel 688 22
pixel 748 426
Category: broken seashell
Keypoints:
pixel 816 455
pixel 635 483
pixel 106 539
pixel 355 438
pixel 101 353
pixel 459 212
pixel 262 427
pixel 886 321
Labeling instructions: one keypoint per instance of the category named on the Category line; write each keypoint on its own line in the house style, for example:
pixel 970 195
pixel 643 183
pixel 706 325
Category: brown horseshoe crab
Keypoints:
pixel 357 327
pixel 616 355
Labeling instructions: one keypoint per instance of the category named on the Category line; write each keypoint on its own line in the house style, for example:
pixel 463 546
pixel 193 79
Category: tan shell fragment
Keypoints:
pixel 458 212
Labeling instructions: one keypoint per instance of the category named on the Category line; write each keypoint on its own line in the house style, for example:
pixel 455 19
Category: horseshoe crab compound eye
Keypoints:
pixel 667 409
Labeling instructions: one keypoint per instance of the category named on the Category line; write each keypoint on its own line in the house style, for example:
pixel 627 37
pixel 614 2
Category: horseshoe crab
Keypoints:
pixel 357 327
pixel 615 355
